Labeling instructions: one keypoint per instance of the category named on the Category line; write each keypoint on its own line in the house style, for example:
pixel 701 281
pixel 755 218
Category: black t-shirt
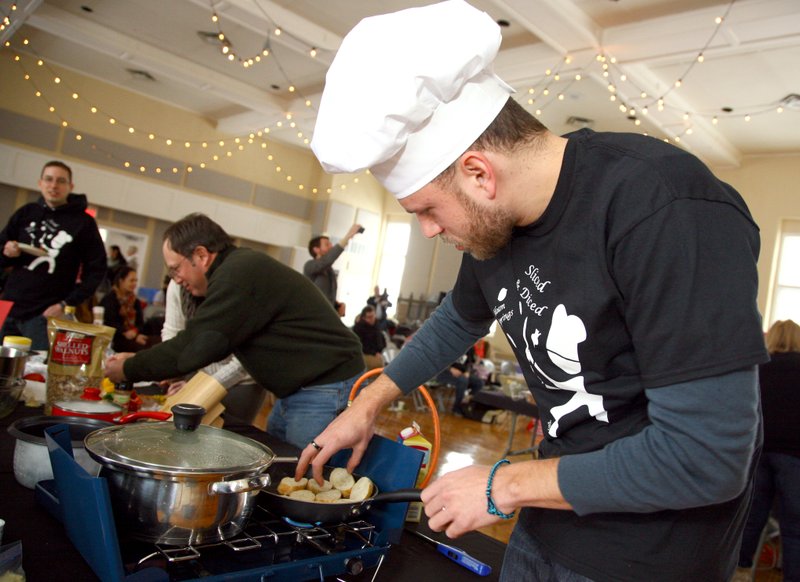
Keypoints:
pixel 641 273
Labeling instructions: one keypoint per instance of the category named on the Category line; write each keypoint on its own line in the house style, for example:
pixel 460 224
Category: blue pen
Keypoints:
pixel 460 557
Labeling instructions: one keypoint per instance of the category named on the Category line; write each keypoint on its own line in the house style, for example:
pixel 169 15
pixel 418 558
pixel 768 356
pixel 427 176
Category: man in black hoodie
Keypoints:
pixel 47 244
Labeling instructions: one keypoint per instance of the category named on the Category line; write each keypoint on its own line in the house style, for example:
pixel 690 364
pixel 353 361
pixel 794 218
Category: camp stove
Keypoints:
pixel 270 547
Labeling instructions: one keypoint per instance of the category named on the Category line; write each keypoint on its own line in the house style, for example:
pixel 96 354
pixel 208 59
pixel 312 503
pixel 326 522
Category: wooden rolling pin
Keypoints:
pixel 204 391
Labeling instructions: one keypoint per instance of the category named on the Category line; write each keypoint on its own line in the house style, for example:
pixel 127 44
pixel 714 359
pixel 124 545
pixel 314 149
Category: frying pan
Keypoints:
pixel 316 512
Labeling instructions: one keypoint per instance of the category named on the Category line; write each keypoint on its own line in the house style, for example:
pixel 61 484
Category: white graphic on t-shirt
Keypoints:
pixel 502 295
pixel 566 332
pixel 52 244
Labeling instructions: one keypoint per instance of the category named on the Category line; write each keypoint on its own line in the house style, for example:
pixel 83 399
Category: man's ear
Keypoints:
pixel 478 173
pixel 203 256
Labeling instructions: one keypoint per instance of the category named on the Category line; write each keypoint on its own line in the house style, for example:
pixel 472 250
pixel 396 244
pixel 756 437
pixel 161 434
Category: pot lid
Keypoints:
pixel 162 447
pixel 90 402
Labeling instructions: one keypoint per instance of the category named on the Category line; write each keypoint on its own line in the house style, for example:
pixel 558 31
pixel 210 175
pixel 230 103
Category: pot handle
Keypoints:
pixel 239 485
pixel 134 416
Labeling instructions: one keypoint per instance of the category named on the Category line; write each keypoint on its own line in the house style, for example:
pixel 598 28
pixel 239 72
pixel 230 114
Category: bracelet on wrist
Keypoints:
pixel 490 506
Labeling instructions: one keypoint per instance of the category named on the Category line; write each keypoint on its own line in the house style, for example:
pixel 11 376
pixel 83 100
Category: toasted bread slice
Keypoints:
pixel 317 488
pixel 302 495
pixel 287 485
pixel 362 489
pixel 342 480
pixel 329 496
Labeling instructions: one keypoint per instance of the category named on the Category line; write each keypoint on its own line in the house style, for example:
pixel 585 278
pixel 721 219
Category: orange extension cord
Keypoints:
pixel 437 433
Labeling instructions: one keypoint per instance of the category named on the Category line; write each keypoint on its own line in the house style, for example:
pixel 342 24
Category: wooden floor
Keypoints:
pixel 468 442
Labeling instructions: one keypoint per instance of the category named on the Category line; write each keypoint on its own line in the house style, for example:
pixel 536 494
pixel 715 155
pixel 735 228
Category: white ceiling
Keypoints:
pixel 750 61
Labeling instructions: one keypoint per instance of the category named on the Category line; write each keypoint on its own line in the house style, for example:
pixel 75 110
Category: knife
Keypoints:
pixel 460 557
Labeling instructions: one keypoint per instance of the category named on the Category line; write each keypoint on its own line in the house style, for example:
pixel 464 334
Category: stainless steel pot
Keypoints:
pixel 183 484
pixel 31 459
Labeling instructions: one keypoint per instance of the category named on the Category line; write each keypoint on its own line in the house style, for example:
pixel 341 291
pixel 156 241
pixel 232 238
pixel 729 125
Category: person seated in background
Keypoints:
pixel 123 312
pixel 459 375
pixel 245 397
pixel 777 482
pixel 372 339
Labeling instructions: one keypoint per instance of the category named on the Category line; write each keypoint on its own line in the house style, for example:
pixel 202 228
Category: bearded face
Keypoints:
pixel 487 229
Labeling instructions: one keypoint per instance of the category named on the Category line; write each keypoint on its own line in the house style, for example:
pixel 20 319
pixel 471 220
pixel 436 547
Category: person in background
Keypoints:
pixel 380 301
pixel 245 398
pixel 115 260
pixel 283 331
pixel 47 244
pixel 123 312
pixel 320 267
pixel 130 257
pixel 459 375
pixel 624 276
pixel 778 476
pixel 372 340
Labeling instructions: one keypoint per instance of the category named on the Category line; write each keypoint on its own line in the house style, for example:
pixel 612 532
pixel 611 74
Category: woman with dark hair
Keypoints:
pixel 123 312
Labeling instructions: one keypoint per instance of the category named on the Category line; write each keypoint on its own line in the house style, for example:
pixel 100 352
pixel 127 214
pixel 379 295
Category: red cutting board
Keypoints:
pixel 5 307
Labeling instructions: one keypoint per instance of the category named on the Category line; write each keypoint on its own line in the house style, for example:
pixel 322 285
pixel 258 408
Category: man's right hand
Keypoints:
pixel 11 249
pixel 352 428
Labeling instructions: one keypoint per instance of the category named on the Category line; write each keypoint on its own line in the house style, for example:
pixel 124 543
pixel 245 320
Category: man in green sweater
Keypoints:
pixel 272 318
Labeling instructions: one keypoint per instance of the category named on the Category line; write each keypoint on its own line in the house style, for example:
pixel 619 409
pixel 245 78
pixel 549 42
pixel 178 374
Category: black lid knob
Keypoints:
pixel 187 416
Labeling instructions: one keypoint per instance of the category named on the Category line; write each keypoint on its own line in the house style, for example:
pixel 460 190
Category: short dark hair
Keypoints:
pixel 513 128
pixel 314 243
pixel 57 164
pixel 367 309
pixel 196 230
pixel 121 273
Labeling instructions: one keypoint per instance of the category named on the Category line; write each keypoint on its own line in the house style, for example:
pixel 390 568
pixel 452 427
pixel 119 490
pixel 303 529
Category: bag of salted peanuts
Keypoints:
pixel 75 359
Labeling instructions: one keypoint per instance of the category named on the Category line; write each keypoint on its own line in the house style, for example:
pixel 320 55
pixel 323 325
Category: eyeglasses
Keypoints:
pixel 59 181
pixel 174 270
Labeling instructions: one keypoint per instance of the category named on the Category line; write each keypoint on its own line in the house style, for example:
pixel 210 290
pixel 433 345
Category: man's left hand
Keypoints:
pixel 55 310
pixel 113 366
pixel 456 502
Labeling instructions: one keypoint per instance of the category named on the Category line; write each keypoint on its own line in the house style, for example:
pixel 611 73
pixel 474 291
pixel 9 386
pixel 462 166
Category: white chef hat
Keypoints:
pixel 408 93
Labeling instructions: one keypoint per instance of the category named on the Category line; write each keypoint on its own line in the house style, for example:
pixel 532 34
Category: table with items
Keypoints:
pixel 49 554
pixel 516 406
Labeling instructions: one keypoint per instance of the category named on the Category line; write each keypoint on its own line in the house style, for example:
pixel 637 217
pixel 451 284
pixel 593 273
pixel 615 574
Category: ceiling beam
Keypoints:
pixel 18 17
pixel 131 51
pixel 561 26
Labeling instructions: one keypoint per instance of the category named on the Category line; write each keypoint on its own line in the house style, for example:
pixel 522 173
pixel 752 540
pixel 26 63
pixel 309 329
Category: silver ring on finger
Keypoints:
pixel 316 446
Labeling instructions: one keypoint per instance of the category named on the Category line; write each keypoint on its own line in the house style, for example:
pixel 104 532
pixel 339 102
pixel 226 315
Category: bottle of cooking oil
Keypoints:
pixel 412 437
pixel 69 313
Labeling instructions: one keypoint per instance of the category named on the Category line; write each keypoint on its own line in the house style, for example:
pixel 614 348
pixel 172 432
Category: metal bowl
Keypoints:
pixel 9 397
pixel 12 365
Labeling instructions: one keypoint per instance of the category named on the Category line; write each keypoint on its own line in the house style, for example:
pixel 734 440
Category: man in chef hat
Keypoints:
pixel 623 274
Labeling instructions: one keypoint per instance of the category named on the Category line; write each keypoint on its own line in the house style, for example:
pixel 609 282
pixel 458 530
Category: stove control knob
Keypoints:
pixel 354 566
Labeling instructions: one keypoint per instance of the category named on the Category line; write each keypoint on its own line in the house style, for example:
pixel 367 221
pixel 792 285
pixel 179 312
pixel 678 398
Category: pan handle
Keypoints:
pixel 239 485
pixel 285 459
pixel 398 496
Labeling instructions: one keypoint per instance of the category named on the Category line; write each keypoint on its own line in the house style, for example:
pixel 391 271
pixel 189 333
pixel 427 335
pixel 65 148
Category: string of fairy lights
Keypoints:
pixel 639 106
pixel 5 21
pixel 551 87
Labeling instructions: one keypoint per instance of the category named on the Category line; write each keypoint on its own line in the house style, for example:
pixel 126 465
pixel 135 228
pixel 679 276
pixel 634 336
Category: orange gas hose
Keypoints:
pixel 437 433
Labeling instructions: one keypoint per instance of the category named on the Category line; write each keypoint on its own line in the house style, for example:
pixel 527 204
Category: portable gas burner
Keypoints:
pixel 270 546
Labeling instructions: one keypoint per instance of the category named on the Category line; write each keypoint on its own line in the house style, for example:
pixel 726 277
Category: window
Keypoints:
pixel 786 293
pixel 393 261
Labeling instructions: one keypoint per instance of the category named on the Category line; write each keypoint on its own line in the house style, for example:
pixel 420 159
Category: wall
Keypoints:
pixel 771 188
